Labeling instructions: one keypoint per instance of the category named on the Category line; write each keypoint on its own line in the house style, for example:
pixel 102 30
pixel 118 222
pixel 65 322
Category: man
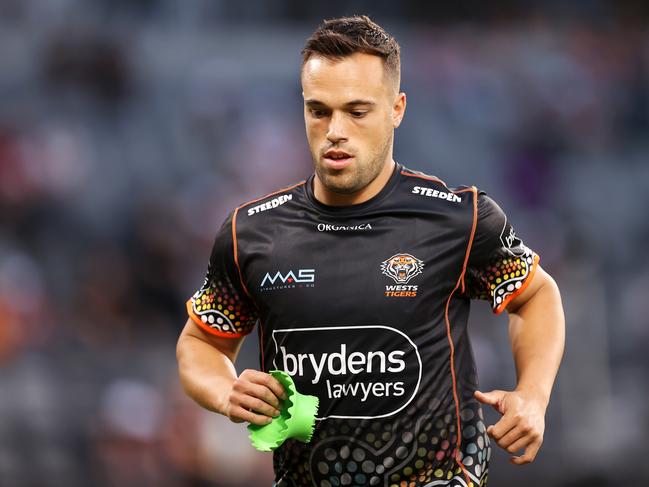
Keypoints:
pixel 359 281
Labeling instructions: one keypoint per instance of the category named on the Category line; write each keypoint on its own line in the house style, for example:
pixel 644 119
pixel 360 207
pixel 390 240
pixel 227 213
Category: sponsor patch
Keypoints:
pixel 328 227
pixel 371 371
pixel 436 193
pixel 289 280
pixel 401 268
pixel 511 243
pixel 270 204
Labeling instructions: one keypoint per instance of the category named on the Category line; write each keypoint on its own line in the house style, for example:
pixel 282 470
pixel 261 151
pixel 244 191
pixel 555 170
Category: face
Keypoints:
pixel 350 110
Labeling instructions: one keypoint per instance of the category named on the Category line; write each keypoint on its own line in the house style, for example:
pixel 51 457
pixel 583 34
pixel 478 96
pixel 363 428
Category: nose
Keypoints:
pixel 336 130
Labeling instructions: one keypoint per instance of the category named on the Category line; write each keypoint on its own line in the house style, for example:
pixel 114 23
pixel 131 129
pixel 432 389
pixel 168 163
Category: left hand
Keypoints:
pixel 522 424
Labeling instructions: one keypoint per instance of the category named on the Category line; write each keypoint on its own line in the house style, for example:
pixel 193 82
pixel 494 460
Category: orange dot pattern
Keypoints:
pixel 501 278
pixel 218 305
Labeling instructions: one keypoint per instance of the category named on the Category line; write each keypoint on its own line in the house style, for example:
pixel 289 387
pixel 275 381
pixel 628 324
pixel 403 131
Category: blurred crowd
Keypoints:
pixel 129 129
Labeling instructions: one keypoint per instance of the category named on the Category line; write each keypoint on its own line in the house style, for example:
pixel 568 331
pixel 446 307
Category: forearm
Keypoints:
pixel 537 335
pixel 206 373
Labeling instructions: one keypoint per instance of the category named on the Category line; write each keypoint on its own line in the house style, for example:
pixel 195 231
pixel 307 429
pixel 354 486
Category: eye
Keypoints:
pixel 318 113
pixel 358 113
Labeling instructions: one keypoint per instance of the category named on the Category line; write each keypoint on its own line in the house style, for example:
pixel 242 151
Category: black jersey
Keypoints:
pixel 366 307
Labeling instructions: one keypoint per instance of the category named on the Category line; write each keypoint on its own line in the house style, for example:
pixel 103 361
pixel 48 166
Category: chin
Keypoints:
pixel 340 184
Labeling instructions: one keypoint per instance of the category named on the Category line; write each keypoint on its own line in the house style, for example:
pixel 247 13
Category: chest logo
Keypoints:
pixel 361 371
pixel 290 280
pixel 402 267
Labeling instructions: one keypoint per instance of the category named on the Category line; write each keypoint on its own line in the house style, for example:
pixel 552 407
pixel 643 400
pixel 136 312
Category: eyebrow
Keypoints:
pixel 313 102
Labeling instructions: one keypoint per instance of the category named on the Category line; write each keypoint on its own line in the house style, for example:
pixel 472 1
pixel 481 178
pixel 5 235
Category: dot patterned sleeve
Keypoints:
pixel 221 306
pixel 500 265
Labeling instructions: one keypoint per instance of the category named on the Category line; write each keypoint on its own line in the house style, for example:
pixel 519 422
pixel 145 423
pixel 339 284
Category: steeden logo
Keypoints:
pixel 436 193
pixel 401 268
pixel 289 280
pixel 270 204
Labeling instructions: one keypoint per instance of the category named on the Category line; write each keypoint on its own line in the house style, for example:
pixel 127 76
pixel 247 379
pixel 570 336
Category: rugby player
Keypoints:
pixel 359 282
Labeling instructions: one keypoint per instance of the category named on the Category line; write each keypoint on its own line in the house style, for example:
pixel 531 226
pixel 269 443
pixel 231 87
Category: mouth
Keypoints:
pixel 337 159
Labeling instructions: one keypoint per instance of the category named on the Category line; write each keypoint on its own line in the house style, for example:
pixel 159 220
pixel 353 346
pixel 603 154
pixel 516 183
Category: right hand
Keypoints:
pixel 254 397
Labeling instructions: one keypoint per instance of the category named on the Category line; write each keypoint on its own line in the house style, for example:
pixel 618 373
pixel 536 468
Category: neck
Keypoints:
pixel 331 198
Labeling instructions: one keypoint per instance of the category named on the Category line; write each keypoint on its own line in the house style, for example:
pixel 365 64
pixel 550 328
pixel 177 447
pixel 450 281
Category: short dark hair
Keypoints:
pixel 338 38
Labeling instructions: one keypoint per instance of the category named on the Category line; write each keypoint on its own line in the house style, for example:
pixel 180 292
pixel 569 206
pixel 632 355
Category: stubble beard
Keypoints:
pixel 356 176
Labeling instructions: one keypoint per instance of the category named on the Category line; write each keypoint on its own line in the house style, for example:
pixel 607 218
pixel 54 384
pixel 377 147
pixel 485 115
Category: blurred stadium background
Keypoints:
pixel 129 128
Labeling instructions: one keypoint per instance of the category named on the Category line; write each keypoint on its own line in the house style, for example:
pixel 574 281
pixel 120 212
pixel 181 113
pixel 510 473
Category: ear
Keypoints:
pixel 398 109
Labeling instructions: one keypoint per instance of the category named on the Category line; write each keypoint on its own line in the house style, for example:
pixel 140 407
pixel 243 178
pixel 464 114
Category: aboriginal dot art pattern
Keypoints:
pixel 502 278
pixel 216 305
pixel 408 451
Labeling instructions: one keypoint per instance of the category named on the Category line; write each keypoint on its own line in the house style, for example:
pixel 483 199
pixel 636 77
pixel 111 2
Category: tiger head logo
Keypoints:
pixel 402 267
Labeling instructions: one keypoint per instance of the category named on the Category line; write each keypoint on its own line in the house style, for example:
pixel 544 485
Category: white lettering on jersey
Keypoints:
pixel 435 193
pixel 326 227
pixel 270 204
pixel 349 367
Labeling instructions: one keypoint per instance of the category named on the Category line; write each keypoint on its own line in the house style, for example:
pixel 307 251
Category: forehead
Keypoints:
pixel 359 76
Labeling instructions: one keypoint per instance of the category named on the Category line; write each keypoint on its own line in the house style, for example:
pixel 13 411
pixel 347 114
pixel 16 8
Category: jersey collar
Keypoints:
pixel 359 208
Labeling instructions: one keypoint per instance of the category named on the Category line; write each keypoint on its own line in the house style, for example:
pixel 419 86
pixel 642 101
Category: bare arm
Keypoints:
pixel 537 335
pixel 208 376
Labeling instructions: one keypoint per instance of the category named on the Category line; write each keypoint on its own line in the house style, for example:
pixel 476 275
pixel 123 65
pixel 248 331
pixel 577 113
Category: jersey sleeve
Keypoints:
pixel 221 306
pixel 500 266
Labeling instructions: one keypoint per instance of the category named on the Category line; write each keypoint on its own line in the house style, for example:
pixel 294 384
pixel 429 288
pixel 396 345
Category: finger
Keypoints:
pixel 275 386
pixel 529 455
pixel 517 445
pixel 502 427
pixel 258 406
pixel 240 414
pixel 491 398
pixel 264 393
pixel 512 436
pixel 259 391
pixel 267 380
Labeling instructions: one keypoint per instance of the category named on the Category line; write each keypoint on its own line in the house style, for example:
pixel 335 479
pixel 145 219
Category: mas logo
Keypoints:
pixel 289 280
pixel 401 268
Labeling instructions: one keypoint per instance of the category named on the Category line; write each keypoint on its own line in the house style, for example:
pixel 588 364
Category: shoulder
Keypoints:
pixel 490 214
pixel 262 214
pixel 433 188
pixel 269 201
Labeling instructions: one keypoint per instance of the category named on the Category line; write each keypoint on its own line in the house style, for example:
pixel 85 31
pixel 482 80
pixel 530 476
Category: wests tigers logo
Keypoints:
pixel 402 267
